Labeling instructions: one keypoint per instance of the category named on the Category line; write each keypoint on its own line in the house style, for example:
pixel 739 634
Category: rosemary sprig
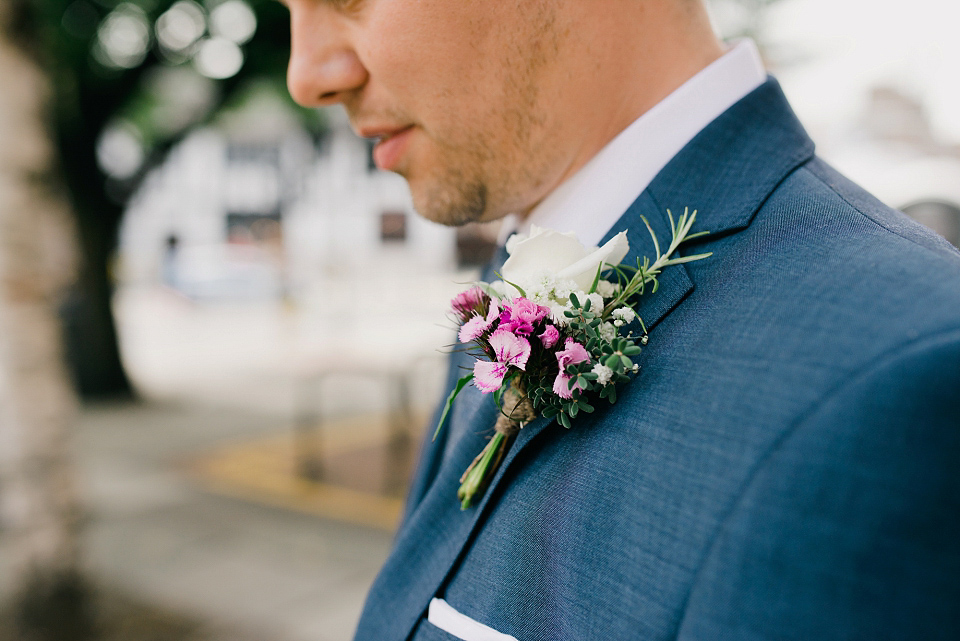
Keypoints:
pixel 646 272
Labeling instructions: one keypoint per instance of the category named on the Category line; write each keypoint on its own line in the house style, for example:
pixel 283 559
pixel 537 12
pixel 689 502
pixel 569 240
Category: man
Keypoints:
pixel 785 464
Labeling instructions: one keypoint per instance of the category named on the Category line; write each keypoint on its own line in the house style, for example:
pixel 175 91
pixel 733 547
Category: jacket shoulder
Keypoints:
pixel 850 527
pixel 868 206
pixel 819 187
pixel 853 250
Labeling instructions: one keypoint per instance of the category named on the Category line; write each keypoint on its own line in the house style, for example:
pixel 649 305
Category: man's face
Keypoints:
pixel 462 94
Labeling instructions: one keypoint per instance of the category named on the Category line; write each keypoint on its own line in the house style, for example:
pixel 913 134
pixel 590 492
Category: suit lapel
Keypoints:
pixel 726 173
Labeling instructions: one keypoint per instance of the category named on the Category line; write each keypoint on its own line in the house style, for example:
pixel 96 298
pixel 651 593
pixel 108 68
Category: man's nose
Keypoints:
pixel 324 69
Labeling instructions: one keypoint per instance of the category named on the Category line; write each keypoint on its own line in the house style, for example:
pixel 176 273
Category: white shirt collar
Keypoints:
pixel 591 201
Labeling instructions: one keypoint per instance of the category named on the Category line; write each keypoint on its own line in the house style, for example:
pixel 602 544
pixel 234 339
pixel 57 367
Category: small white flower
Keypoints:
pixel 607 331
pixel 557 313
pixel 607 289
pixel 635 368
pixel 545 282
pixel 625 314
pixel 563 289
pixel 604 373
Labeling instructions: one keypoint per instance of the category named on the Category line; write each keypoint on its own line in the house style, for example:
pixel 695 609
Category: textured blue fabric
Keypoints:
pixel 785 465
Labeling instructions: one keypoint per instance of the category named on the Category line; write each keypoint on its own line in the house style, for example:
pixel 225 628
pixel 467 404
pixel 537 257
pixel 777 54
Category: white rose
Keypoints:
pixel 561 255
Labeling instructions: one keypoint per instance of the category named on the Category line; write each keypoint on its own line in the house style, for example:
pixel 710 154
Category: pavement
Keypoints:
pixel 156 535
pixel 223 383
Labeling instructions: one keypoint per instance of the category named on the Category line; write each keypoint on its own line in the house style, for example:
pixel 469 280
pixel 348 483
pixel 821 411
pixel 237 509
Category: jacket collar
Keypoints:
pixel 726 172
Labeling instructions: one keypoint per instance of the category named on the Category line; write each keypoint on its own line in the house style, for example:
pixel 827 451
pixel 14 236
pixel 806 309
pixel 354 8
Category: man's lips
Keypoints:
pixel 391 146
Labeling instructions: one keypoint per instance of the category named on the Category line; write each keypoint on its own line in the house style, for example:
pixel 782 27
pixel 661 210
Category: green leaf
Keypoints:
pixel 688 259
pixel 519 289
pixel 453 394
pixel 498 394
pixel 656 245
pixel 574 300
pixel 564 420
pixel 627 363
pixel 631 350
pixel 612 361
pixel 586 407
pixel 596 279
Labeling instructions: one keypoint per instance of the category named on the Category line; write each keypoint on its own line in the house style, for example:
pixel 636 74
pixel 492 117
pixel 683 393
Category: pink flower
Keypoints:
pixel 550 336
pixel 572 354
pixel 478 325
pixel 521 314
pixel 488 376
pixel 510 350
pixel 561 386
pixel 469 302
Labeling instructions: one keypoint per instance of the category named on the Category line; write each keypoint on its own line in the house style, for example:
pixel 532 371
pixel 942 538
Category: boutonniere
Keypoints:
pixel 557 333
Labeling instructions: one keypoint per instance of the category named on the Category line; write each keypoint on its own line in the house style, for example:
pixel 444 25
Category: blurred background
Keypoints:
pixel 205 430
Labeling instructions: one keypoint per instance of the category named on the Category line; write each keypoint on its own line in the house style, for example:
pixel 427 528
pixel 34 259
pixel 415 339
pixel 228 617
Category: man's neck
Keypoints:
pixel 658 46
pixel 590 201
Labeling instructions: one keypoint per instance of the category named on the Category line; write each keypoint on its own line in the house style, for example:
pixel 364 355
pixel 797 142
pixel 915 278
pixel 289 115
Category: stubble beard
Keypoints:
pixel 455 200
pixel 484 178
pixel 492 174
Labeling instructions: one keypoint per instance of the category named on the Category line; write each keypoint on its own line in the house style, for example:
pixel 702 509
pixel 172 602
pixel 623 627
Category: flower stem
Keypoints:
pixel 474 481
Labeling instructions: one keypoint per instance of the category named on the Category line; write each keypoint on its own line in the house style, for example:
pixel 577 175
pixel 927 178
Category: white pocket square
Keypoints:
pixel 442 615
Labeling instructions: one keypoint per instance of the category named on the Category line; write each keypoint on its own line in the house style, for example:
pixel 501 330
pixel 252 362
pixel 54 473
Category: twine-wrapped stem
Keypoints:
pixel 517 411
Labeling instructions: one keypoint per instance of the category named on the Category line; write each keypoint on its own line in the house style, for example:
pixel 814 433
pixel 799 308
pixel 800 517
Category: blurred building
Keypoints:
pixel 876 90
pixel 254 206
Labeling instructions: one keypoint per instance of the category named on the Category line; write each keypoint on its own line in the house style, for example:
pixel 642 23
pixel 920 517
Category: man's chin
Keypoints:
pixel 452 205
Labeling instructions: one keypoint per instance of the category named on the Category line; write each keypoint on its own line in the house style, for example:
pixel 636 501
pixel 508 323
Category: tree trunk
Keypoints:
pixel 39 513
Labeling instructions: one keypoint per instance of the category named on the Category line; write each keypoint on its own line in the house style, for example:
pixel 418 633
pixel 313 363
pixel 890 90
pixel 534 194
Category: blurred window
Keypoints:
pixel 476 244
pixel 393 227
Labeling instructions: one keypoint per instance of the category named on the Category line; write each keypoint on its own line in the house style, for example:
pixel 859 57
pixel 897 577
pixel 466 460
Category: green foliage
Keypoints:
pixel 449 404
pixel 92 93
pixel 88 96
pixel 617 352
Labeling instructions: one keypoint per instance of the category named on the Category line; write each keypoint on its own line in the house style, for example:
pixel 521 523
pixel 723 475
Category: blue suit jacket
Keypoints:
pixel 786 465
